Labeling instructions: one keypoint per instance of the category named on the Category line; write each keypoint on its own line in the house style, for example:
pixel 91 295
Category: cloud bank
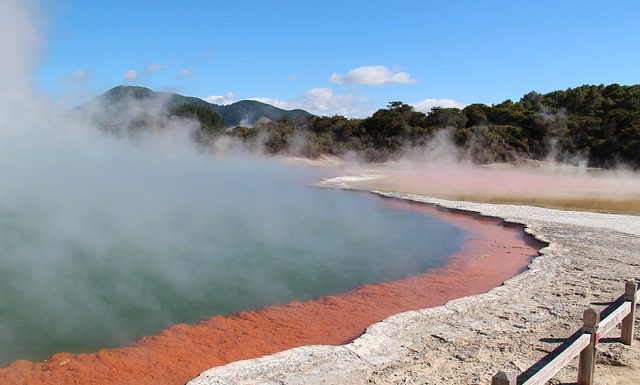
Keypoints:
pixel 152 68
pixel 427 104
pixel 372 75
pixel 225 99
pixel 81 75
pixel 322 101
pixel 130 75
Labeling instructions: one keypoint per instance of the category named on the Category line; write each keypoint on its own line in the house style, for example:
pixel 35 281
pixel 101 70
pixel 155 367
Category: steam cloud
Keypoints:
pixel 100 232
pixel 72 200
pixel 103 240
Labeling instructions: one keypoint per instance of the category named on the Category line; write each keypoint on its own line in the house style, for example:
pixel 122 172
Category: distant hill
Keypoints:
pixel 146 102
pixel 596 125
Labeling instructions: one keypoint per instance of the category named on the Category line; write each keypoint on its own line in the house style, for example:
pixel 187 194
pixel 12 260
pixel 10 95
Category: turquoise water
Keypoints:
pixel 87 278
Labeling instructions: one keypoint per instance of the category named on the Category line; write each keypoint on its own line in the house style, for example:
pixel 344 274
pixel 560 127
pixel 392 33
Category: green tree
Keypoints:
pixel 211 123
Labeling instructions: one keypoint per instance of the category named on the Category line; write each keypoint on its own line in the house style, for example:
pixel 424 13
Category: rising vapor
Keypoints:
pixel 105 238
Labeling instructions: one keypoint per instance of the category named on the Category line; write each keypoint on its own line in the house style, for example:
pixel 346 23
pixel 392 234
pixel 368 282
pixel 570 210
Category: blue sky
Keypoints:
pixel 350 57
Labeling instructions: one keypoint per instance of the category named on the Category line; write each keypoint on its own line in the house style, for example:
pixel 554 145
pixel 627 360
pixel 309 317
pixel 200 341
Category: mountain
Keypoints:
pixel 596 124
pixel 145 102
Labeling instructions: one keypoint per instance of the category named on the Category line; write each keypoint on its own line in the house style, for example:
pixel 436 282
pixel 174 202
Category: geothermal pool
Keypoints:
pixel 85 275
pixel 141 255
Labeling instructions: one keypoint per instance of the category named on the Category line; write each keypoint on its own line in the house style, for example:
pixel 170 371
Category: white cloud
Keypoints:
pixel 151 68
pixel 372 75
pixel 185 73
pixel 285 105
pixel 427 104
pixel 130 75
pixel 292 77
pixel 322 101
pixel 227 98
pixel 81 75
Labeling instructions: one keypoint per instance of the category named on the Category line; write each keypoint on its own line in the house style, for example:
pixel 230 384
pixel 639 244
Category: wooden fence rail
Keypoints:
pixel 585 344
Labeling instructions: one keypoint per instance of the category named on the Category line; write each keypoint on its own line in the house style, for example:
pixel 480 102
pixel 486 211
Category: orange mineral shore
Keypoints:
pixel 492 253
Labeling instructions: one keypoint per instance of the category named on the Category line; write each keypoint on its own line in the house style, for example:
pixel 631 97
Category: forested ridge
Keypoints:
pixel 596 124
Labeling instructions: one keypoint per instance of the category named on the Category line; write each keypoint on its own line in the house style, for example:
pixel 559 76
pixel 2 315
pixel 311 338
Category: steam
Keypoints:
pixel 442 170
pixel 104 238
pixel 100 231
pixel 18 51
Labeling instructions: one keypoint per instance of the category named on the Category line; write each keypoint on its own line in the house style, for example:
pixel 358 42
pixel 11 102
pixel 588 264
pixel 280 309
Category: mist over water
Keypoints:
pixel 102 242
pixel 104 239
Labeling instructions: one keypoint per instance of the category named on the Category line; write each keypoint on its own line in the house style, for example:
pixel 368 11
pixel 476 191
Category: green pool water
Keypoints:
pixel 85 273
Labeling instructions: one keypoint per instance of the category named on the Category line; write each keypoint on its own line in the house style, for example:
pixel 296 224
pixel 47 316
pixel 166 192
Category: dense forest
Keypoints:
pixel 599 124
pixel 594 123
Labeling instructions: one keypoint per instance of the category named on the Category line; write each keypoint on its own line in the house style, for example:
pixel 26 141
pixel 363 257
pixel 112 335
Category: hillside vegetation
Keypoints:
pixel 133 107
pixel 596 124
pixel 599 125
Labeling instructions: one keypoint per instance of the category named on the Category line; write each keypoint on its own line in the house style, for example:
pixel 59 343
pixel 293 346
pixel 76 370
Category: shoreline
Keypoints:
pixel 468 339
pixel 181 352
pixel 551 187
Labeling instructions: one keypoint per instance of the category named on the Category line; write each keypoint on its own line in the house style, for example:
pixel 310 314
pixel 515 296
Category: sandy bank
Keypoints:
pixel 491 253
pixel 468 339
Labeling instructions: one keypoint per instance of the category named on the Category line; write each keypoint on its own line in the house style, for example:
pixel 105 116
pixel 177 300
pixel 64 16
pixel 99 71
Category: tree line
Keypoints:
pixel 596 123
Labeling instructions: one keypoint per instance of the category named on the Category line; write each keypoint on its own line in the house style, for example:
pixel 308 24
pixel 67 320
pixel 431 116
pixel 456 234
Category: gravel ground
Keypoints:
pixel 509 328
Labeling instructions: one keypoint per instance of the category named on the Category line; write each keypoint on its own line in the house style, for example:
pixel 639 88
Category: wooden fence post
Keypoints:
pixel 630 288
pixel 504 378
pixel 587 362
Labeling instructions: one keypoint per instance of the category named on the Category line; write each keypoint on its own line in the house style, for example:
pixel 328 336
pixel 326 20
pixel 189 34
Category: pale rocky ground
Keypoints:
pixel 509 328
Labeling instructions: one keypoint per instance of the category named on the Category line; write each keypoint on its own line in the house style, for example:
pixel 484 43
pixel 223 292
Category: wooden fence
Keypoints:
pixel 584 343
